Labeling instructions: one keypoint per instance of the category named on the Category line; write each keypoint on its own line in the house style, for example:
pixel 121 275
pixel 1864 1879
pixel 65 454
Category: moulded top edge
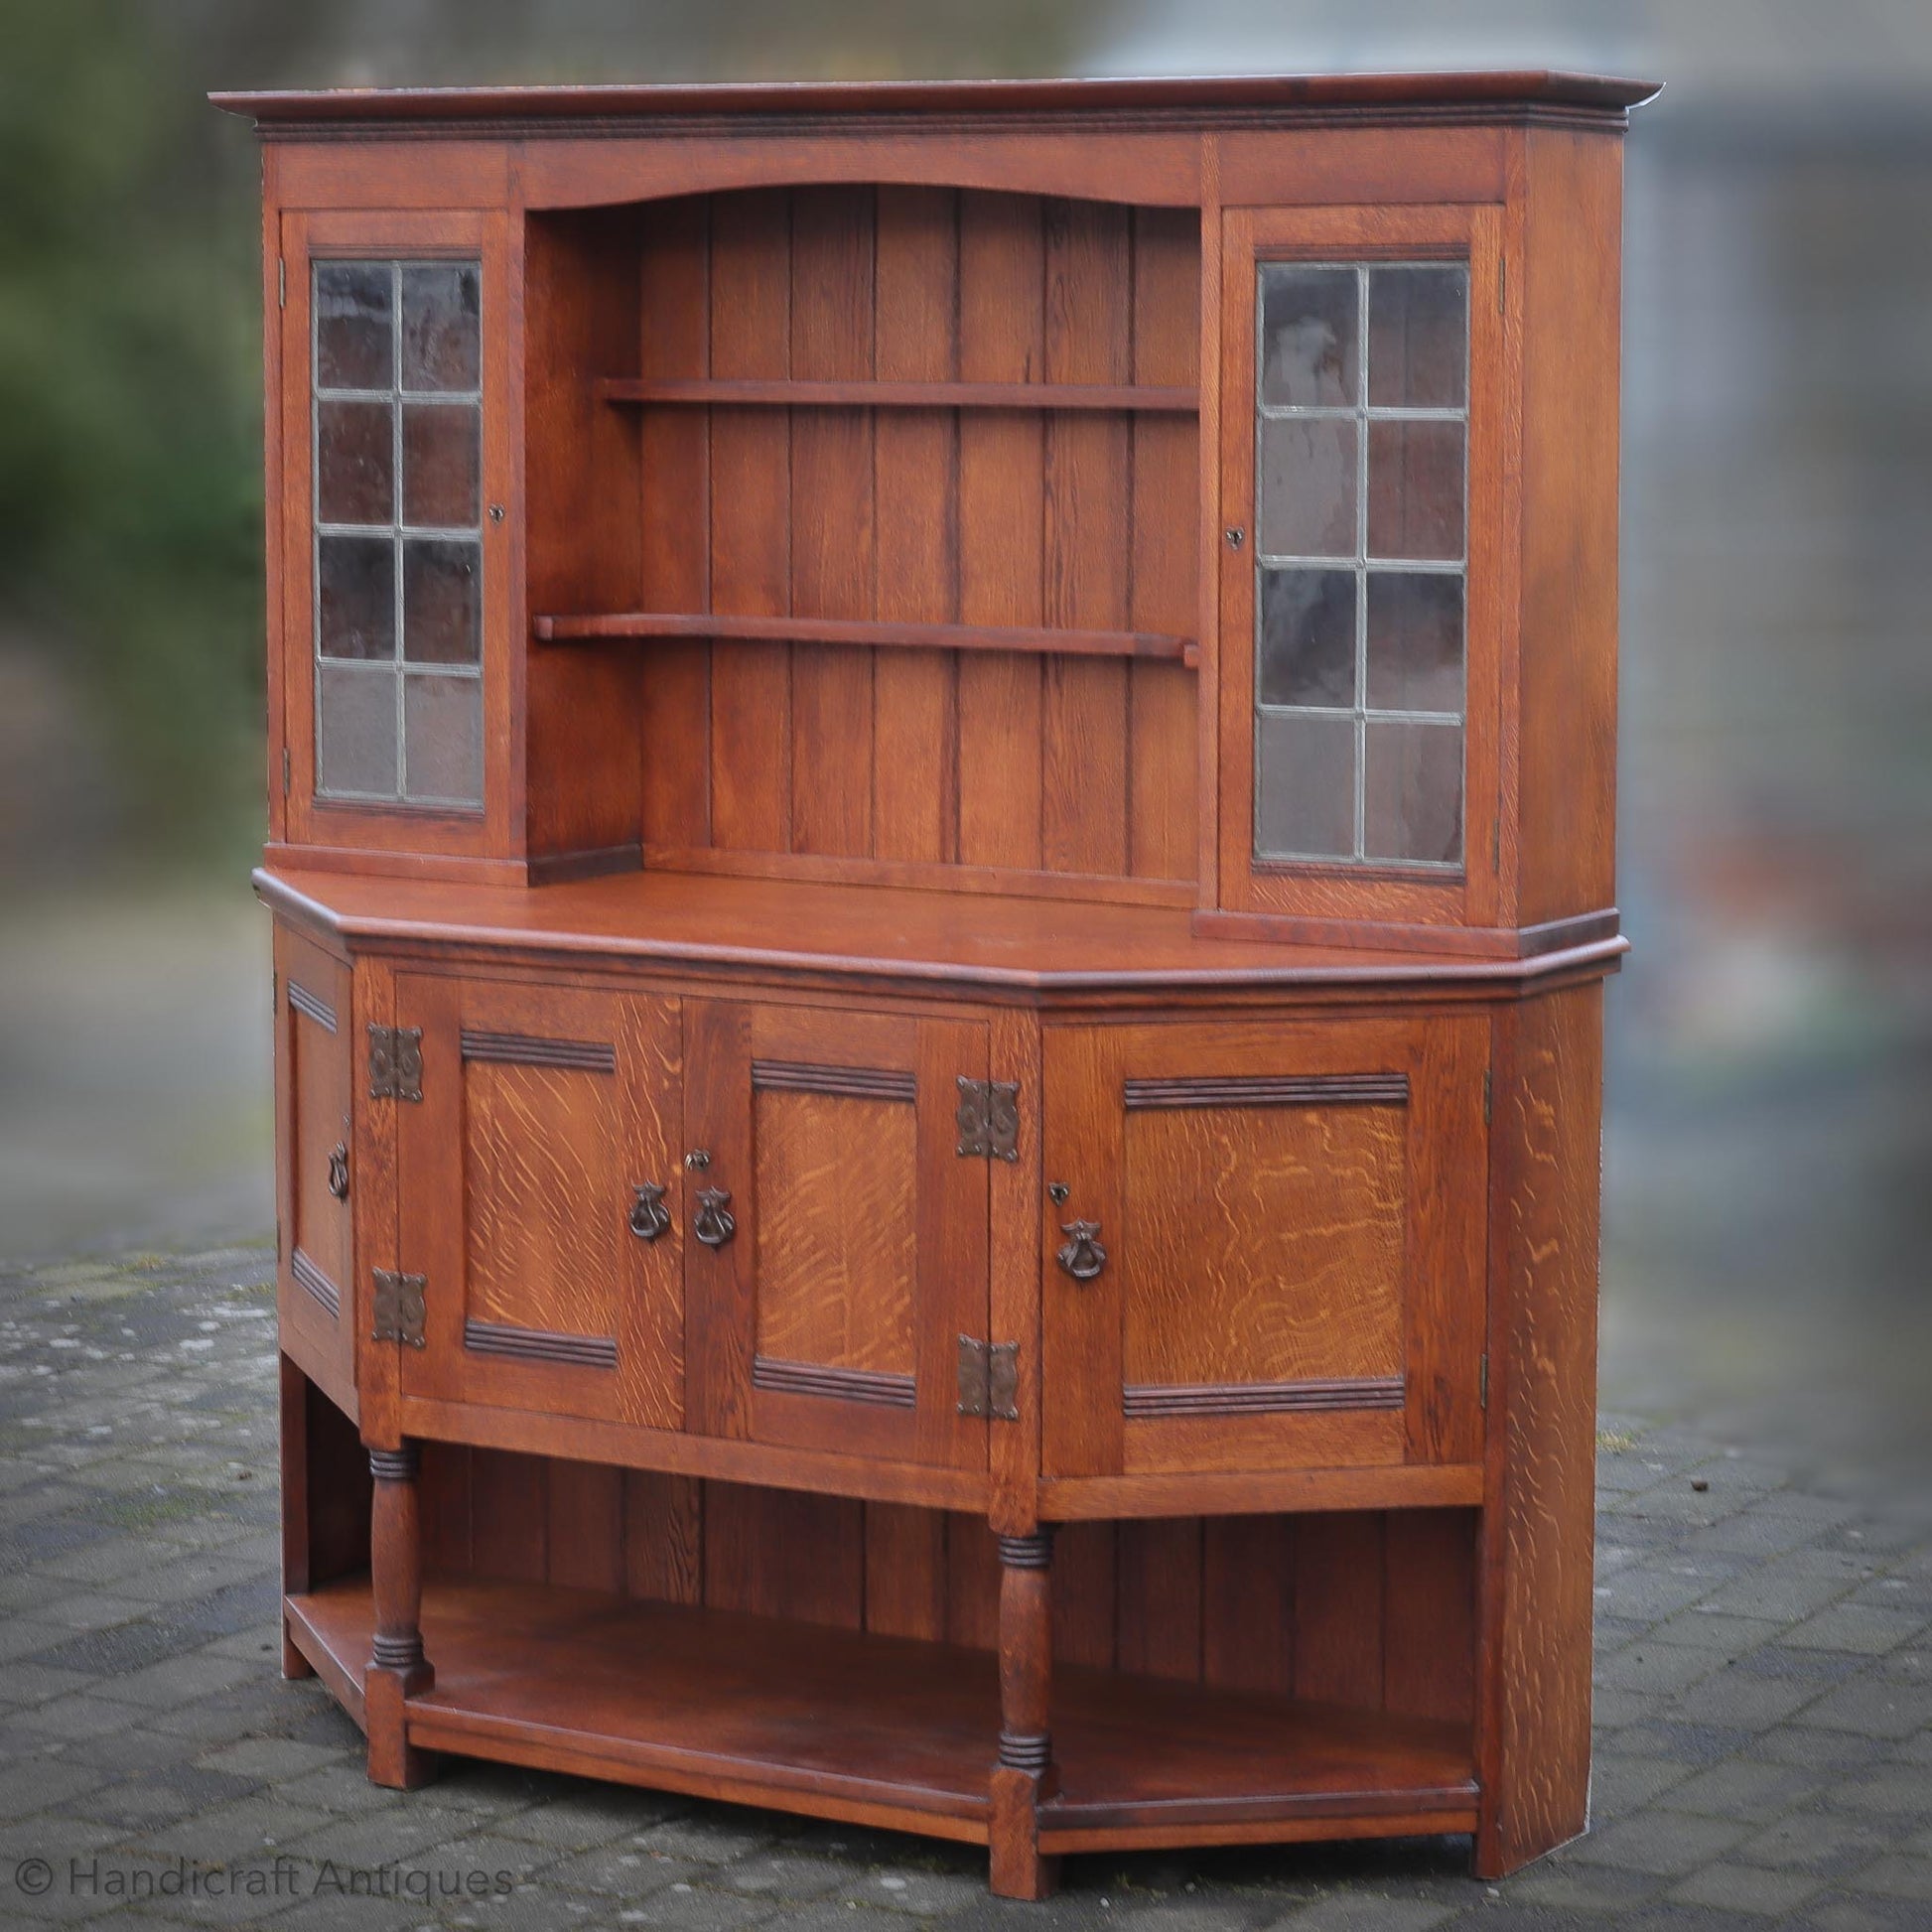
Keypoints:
pixel 402 107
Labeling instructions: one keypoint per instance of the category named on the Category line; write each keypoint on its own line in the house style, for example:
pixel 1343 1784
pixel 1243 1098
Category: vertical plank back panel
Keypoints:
pixel 1159 1577
pixel 586 1510
pixel 905 1572
pixel 784 1553
pixel 1086 553
pixel 1339 1608
pixel 1084 1593
pixel 676 463
pixel 915 463
pixel 509 1516
pixel 1001 319
pixel 663 1537
pixel 1248 1602
pixel 1429 1645
pixel 750 523
pixel 832 521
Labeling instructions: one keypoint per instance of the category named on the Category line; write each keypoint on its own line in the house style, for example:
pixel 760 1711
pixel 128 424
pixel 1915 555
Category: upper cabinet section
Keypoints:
pixel 1192 495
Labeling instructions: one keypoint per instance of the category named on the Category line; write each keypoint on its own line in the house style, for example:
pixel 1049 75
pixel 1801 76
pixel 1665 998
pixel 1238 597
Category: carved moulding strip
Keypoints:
pixel 847 1082
pixel 317 1285
pixel 540 1344
pixel 836 1384
pixel 1149 1401
pixel 1266 1090
pixel 526 1049
pixel 320 1011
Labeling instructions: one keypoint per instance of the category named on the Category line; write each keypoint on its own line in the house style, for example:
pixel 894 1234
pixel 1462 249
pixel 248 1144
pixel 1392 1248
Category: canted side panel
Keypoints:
pixel 888 759
pixel 837 1234
pixel 1265 1246
pixel 314 1162
pixel 1539 1542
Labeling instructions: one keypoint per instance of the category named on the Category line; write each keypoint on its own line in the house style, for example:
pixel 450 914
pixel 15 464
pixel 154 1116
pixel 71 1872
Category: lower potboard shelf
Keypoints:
pixel 877 1729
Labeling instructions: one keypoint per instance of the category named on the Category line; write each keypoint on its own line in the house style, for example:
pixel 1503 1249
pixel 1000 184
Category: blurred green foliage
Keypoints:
pixel 130 410
pixel 130 390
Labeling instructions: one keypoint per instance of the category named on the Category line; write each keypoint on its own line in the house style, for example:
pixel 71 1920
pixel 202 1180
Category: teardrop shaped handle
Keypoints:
pixel 1083 1257
pixel 714 1224
pixel 649 1218
pixel 339 1171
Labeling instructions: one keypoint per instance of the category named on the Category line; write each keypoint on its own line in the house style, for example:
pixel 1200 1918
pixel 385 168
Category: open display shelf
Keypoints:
pixel 879 1729
pixel 941 851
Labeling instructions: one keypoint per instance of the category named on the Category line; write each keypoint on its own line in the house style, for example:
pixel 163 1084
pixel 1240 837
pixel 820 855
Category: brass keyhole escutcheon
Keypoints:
pixel 339 1171
pixel 649 1218
pixel 1083 1257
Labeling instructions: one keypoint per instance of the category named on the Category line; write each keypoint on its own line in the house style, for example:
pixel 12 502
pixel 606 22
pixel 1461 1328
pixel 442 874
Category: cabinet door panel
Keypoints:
pixel 545 1110
pixel 1292 1225
pixel 314 1045
pixel 830 1314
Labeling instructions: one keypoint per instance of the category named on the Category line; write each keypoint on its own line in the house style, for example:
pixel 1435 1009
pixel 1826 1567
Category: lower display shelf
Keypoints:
pixel 880 1730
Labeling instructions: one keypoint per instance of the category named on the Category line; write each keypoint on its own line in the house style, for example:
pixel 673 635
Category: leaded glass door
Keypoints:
pixel 393 505
pixel 1360 632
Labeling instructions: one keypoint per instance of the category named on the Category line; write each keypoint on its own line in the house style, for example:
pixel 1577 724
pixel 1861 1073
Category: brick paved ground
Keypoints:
pixel 1763 1713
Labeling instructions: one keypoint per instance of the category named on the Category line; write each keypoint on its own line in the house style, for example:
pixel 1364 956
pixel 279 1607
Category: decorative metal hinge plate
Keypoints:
pixel 398 1314
pixel 1482 1384
pixel 989 1379
pixel 989 1119
pixel 395 1063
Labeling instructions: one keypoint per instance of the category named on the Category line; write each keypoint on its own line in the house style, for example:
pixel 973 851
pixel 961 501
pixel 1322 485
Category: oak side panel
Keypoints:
pixel 916 464
pixel 1540 1519
pixel 833 530
pixel 582 538
pixel 1002 298
pixel 674 303
pixel 750 523
pixel 1086 563
pixel 1163 777
pixel 1572 228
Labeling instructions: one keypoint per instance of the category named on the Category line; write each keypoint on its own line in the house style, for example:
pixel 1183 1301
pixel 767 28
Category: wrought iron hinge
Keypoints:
pixel 398 1313
pixel 989 1119
pixel 395 1062
pixel 281 282
pixel 1486 1103
pixel 989 1379
pixel 1482 1383
pixel 288 772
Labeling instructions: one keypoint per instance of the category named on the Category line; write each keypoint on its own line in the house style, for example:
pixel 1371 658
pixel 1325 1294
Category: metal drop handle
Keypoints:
pixel 649 1218
pixel 339 1171
pixel 714 1224
pixel 1083 1257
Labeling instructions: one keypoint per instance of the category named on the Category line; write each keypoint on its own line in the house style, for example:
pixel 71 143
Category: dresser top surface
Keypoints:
pixel 1499 90
pixel 785 927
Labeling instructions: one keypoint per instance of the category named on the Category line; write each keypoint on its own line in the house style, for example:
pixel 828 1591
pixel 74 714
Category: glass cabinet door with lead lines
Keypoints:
pixel 397 364
pixel 1358 631
pixel 1361 416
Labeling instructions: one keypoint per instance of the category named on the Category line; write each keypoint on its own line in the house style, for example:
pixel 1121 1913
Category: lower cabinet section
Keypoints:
pixel 1203 1681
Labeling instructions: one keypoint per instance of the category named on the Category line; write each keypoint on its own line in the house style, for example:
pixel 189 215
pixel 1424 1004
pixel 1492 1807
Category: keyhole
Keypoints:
pixel 1058 1192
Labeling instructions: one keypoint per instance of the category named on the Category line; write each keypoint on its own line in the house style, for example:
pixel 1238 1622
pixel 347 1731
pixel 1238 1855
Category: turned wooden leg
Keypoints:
pixel 1025 1773
pixel 398 1669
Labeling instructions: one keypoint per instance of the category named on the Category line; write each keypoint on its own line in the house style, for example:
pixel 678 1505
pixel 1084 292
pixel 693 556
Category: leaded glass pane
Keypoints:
pixel 398 517
pixel 1361 480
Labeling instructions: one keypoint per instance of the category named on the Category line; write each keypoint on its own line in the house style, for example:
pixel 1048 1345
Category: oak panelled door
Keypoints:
pixel 838 1247
pixel 1270 1252
pixel 538 1176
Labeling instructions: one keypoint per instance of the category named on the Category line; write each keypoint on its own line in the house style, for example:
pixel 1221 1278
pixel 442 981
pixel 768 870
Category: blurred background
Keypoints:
pixel 1767 1267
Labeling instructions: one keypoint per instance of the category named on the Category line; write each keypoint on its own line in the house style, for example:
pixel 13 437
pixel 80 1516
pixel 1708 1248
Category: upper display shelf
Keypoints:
pixel 1149 94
